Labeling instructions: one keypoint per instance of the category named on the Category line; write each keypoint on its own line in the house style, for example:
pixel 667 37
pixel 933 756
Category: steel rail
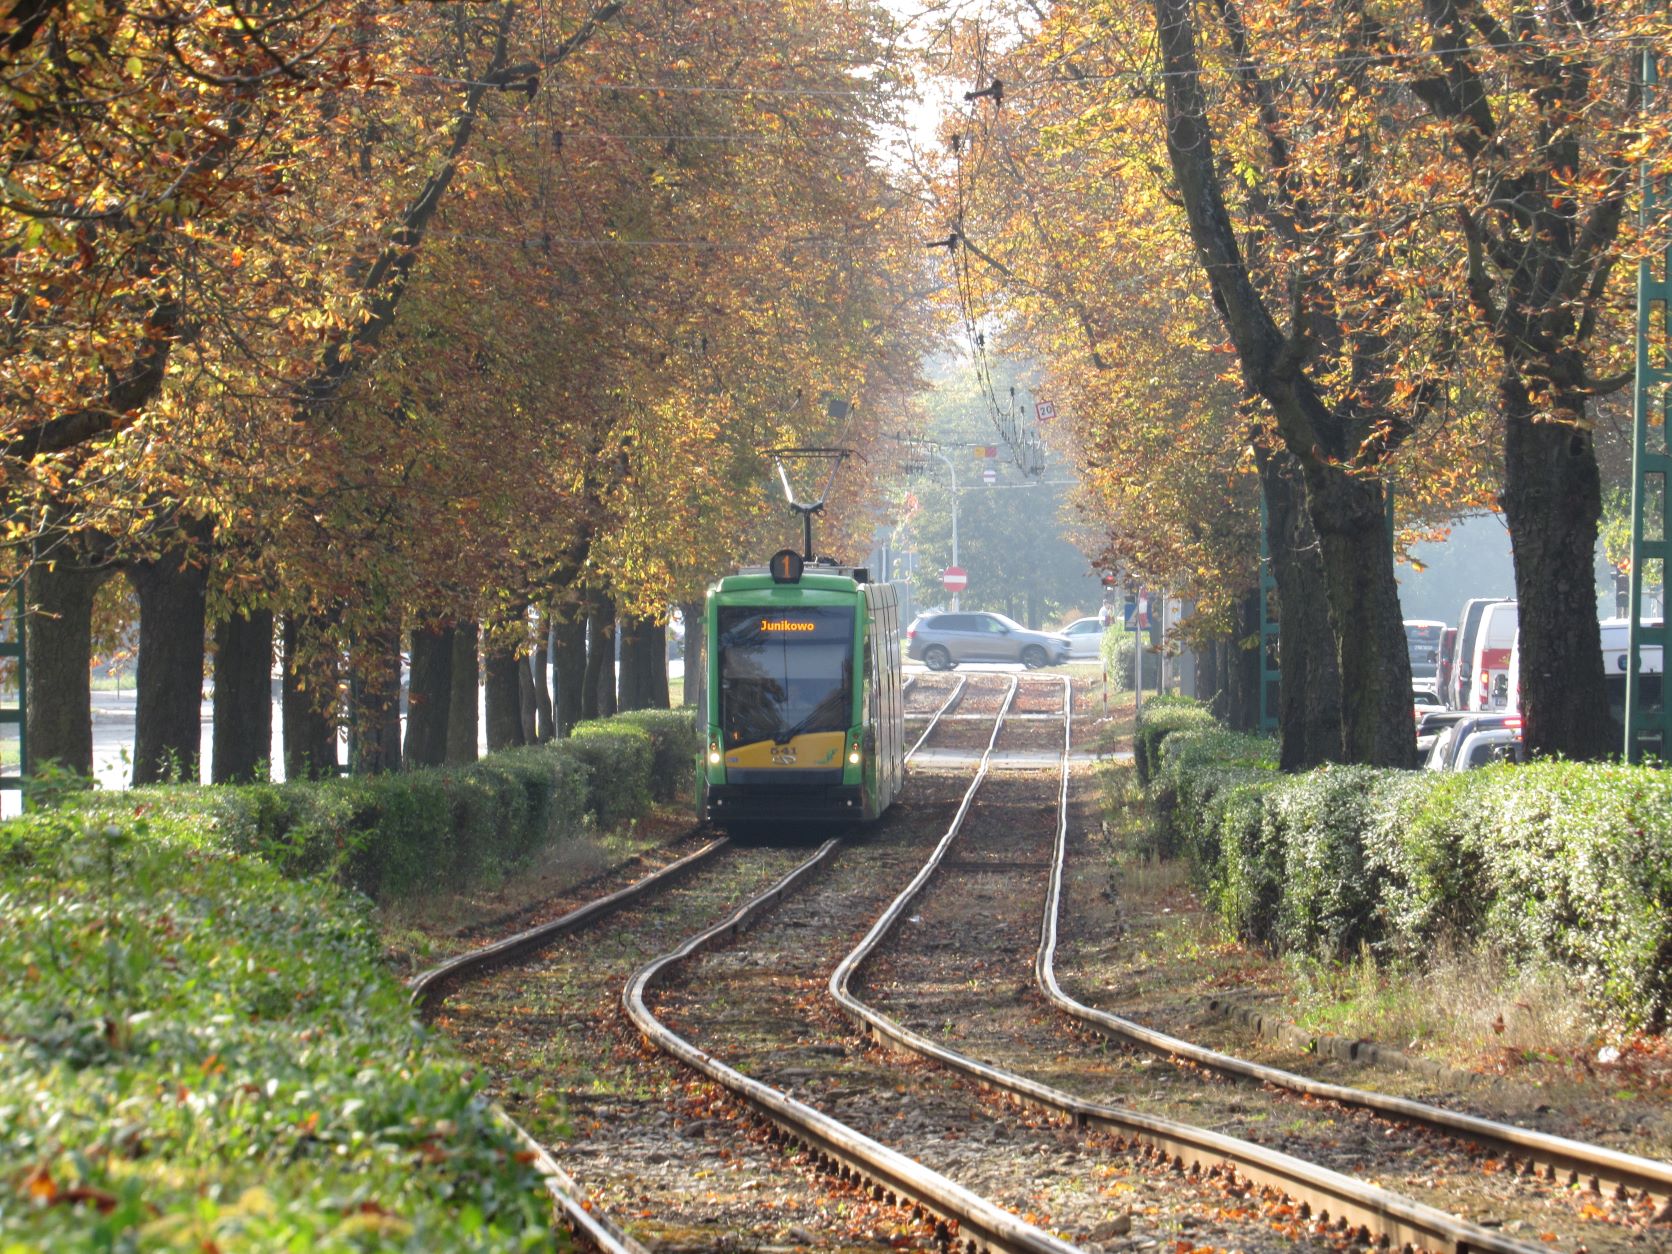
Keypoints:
pixel 947 706
pixel 890 1175
pixel 603 1233
pixel 429 986
pixel 1526 1150
pixel 1318 1191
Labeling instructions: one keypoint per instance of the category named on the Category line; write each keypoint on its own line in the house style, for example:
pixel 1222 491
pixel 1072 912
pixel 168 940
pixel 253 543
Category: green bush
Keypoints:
pixel 1161 717
pixel 1115 651
pixel 675 743
pixel 196 1053
pixel 619 755
pixel 1568 862
pixel 397 834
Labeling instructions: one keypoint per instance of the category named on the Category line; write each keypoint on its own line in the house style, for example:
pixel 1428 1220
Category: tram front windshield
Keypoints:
pixel 784 672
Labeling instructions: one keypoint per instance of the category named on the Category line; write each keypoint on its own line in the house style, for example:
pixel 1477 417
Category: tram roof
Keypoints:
pixel 846 579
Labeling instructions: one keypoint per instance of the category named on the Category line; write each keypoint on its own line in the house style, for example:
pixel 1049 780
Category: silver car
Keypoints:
pixel 1085 637
pixel 941 641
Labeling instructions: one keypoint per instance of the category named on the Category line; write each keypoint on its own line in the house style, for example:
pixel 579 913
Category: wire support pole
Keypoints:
pixel 953 472
pixel 1648 729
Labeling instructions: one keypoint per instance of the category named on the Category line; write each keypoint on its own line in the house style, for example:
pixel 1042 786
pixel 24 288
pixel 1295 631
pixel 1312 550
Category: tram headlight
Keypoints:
pixel 853 754
pixel 714 753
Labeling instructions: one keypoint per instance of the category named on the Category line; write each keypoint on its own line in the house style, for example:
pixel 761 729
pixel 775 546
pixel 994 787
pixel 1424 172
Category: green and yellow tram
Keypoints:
pixel 804 711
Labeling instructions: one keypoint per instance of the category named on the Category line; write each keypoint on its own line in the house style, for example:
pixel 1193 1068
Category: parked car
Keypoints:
pixel 1462 657
pixel 1085 637
pixel 942 641
pixel 1477 740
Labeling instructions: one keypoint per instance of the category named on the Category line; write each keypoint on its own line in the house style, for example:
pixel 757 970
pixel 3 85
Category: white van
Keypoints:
pixel 1616 667
pixel 1615 661
pixel 1457 690
pixel 1489 665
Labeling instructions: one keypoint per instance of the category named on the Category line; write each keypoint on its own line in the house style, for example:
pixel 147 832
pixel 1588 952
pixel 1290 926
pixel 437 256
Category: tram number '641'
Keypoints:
pixel 783 755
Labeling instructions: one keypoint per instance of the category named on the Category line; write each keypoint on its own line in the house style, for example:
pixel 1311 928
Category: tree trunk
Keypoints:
pixel 1374 661
pixel 375 702
pixel 464 731
pixel 644 666
pixel 696 670
pixel 1553 503
pixel 168 720
pixel 242 744
pixel 58 648
pixel 503 697
pixel 600 658
pixel 1243 667
pixel 308 700
pixel 655 683
pixel 1309 700
pixel 429 695
pixel 527 702
pixel 569 666
pixel 1345 507
pixel 632 663
pixel 545 726
pixel 1207 677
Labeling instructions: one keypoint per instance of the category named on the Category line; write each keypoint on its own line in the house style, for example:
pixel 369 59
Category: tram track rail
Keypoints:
pixel 953 700
pixel 1341 1201
pixel 964 1216
pixel 430 987
pixel 833 1140
pixel 1525 1150
pixel 888 1175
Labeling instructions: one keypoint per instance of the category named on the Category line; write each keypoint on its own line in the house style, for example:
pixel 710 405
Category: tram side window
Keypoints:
pixel 870 706
pixel 784 673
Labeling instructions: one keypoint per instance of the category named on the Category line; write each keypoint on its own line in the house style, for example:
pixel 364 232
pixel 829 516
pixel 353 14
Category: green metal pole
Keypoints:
pixel 1646 727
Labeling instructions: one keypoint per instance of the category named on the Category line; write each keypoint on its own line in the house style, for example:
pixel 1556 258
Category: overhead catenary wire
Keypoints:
pixel 1014 86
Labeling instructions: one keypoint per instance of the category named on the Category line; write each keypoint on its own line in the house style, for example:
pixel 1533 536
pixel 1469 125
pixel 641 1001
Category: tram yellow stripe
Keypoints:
pixel 812 751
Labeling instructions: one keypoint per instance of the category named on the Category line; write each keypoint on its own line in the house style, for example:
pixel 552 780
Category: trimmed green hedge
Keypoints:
pixel 1161 717
pixel 398 834
pixel 1561 860
pixel 675 744
pixel 198 1053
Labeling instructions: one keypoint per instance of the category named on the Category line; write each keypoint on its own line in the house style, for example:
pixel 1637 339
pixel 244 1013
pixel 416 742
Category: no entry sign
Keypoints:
pixel 955 579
